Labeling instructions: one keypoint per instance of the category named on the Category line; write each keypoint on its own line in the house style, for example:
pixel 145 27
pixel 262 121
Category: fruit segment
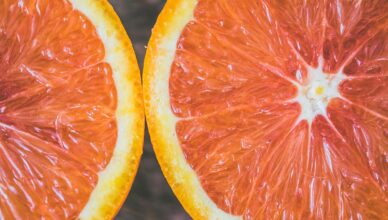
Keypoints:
pixel 57 109
pixel 283 107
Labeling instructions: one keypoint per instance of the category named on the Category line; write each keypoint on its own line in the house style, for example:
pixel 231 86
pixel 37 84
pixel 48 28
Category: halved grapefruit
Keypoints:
pixel 272 109
pixel 71 112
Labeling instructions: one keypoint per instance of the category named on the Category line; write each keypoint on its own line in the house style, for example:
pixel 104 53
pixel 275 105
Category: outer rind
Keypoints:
pixel 161 121
pixel 116 180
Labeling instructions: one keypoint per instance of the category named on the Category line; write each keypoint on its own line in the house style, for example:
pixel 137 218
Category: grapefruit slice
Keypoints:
pixel 271 109
pixel 71 118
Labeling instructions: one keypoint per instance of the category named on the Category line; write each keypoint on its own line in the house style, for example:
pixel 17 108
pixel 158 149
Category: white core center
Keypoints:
pixel 317 93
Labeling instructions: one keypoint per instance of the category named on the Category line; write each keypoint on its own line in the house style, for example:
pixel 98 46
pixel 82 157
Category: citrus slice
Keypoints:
pixel 71 112
pixel 271 109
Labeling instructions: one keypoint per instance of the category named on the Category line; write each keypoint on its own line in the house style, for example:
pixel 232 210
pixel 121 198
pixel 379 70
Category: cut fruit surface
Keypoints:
pixel 71 113
pixel 271 109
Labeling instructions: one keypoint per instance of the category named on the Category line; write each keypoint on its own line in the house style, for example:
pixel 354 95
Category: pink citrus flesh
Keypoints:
pixel 282 107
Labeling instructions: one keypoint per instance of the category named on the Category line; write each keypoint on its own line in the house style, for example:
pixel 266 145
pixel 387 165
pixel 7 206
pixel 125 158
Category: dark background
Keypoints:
pixel 150 197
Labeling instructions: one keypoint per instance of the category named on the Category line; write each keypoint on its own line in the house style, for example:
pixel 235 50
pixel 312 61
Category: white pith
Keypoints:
pixel 183 174
pixel 102 201
pixel 316 94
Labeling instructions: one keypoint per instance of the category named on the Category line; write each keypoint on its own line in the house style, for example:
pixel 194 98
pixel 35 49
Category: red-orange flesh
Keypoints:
pixel 233 87
pixel 57 106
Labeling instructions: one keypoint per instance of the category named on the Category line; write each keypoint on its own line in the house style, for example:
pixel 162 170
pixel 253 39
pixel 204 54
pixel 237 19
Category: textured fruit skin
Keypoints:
pixel 117 175
pixel 157 72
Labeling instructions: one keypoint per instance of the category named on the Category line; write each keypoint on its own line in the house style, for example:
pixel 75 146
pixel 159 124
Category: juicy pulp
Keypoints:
pixel 57 109
pixel 282 106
